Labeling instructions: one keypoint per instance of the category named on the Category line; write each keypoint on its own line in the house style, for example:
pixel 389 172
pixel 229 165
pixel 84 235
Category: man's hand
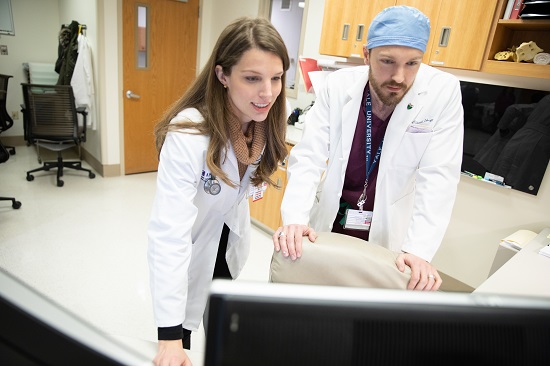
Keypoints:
pixel 424 276
pixel 289 239
pixel 171 353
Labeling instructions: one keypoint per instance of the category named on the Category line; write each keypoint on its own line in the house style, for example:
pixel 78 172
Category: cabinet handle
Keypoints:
pixel 279 183
pixel 345 32
pixel 445 34
pixel 360 30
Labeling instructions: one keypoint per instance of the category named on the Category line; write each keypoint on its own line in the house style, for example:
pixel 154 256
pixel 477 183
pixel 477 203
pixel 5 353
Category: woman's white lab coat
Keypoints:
pixel 419 166
pixel 186 225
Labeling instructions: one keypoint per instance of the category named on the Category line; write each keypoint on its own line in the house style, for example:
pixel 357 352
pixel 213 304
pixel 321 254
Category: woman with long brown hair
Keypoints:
pixel 220 140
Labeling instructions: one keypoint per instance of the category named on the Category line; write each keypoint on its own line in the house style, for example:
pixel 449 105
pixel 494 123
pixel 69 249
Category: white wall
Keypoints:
pixel 36 29
pixel 85 12
pixel 215 16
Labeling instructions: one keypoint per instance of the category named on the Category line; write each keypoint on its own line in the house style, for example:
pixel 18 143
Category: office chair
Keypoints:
pixel 4 156
pixel 6 122
pixel 53 124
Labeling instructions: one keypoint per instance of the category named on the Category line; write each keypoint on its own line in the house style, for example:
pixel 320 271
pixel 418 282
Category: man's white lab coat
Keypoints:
pixel 419 165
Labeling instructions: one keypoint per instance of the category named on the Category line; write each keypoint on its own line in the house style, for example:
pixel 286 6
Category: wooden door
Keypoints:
pixel 159 62
pixel 468 23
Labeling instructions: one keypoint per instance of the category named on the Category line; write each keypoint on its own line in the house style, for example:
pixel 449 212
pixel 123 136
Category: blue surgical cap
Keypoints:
pixel 399 26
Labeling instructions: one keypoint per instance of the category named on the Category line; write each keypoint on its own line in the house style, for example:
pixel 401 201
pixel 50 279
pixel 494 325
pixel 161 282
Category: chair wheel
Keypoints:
pixel 60 183
pixel 16 205
pixel 91 175
pixel 30 177
pixel 12 152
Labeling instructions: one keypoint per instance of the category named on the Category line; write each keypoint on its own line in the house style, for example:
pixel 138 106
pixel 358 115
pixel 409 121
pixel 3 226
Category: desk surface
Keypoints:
pixel 526 273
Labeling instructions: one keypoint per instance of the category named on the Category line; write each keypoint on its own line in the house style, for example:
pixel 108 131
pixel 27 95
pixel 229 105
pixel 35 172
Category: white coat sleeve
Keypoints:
pixel 170 226
pixel 307 162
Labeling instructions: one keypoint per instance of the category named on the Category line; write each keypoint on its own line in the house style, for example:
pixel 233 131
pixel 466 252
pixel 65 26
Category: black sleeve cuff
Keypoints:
pixel 170 333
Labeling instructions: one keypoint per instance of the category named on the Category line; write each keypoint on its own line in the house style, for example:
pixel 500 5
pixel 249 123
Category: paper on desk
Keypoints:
pixel 518 239
pixel 545 250
pixel 318 78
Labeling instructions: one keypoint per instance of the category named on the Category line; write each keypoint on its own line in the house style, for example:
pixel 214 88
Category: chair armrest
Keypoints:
pixel 82 111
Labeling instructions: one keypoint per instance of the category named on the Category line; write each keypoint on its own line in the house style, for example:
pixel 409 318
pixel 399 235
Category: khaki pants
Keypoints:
pixel 340 260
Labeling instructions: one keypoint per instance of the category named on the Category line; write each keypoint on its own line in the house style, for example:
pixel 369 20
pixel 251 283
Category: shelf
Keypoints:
pixel 517 68
pixel 524 24
pixel 513 32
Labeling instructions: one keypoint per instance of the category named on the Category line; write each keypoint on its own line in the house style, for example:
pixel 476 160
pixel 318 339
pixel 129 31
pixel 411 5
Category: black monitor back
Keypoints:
pixel 275 324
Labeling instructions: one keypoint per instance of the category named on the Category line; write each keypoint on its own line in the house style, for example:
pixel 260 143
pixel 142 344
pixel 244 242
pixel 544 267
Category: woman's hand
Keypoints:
pixel 171 353
pixel 289 239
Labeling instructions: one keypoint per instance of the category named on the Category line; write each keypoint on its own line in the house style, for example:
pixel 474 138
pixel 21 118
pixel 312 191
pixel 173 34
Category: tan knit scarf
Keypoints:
pixel 247 146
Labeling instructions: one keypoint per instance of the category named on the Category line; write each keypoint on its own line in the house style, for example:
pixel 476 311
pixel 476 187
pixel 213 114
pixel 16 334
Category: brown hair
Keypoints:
pixel 209 97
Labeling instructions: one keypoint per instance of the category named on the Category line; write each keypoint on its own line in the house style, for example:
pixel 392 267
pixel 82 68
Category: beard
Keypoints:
pixel 389 99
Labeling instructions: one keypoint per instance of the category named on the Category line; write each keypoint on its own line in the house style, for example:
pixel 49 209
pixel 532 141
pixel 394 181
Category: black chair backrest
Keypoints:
pixel 5 119
pixel 50 112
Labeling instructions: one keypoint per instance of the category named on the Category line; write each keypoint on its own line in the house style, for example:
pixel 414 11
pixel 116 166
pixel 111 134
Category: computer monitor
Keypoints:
pixel 285 324
pixel 36 331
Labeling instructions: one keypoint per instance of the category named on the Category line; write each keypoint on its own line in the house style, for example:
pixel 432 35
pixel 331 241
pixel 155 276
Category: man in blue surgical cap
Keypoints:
pixel 381 152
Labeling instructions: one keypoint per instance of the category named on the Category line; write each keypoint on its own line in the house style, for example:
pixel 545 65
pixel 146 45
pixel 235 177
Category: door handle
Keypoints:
pixel 131 95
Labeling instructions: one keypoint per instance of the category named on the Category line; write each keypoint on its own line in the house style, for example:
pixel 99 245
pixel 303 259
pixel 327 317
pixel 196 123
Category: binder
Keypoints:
pixel 516 9
pixel 535 10
pixel 508 10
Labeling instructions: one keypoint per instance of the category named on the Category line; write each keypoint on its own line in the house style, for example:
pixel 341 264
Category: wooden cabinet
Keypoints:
pixel 459 31
pixel 431 9
pixel 458 37
pixel 266 211
pixel 345 26
pixel 508 33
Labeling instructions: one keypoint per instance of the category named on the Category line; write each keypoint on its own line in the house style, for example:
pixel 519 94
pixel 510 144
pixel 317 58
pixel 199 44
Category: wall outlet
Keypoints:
pixel 3 50
pixel 15 115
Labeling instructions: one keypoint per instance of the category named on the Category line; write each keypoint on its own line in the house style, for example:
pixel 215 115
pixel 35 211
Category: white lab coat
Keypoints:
pixel 418 172
pixel 186 224
pixel 82 81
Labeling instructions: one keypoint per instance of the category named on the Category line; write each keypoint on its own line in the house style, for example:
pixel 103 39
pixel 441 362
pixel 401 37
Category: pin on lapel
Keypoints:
pixel 409 106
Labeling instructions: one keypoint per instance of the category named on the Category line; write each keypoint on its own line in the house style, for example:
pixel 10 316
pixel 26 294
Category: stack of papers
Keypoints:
pixel 518 239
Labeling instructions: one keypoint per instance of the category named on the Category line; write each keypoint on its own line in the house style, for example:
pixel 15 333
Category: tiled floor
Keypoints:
pixel 83 245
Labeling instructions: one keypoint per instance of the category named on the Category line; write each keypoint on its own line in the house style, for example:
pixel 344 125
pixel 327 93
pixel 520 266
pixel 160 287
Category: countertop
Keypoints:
pixel 293 134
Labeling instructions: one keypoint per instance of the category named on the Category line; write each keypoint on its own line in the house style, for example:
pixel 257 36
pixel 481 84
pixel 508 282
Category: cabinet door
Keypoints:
pixel 431 9
pixel 267 210
pixel 345 26
pixel 337 28
pixel 365 13
pixel 461 33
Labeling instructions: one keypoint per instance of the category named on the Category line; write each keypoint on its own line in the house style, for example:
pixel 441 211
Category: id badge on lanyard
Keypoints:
pixel 359 219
